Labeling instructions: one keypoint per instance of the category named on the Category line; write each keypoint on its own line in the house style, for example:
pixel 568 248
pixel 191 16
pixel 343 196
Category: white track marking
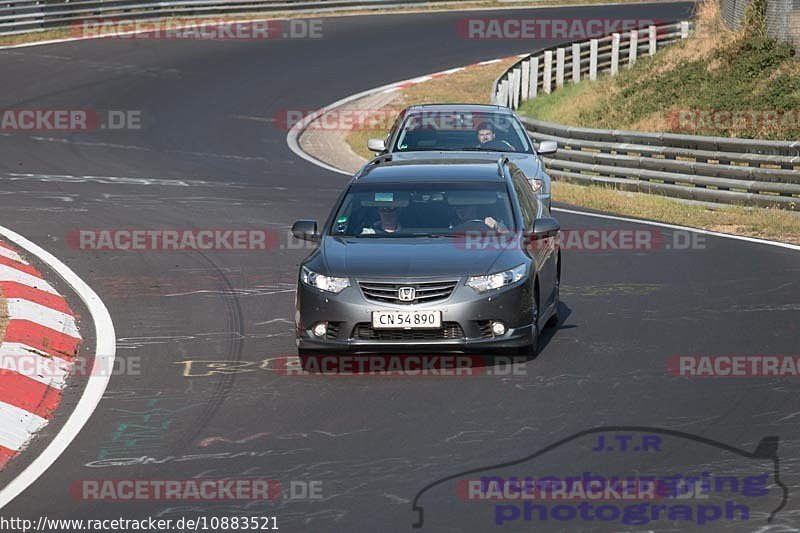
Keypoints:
pixel 683 228
pixel 294 145
pixel 11 254
pixel 105 352
pixel 16 426
pixel 11 274
pixel 46 369
pixel 26 310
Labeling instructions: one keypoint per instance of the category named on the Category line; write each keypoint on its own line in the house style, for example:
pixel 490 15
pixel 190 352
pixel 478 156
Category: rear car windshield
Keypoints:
pixel 451 130
pixel 423 210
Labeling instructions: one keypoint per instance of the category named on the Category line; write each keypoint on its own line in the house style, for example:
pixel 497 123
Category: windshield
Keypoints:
pixel 454 130
pixel 423 210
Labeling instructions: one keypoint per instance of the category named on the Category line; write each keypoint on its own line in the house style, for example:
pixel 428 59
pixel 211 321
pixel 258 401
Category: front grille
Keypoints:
pixel 333 330
pixel 449 330
pixel 485 327
pixel 426 291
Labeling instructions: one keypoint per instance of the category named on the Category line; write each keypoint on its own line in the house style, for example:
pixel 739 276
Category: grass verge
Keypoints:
pixel 470 86
pixel 773 224
pixel 473 86
pixel 716 82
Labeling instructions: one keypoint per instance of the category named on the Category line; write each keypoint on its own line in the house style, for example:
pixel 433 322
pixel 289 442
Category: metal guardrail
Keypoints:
pixel 26 16
pixel 717 169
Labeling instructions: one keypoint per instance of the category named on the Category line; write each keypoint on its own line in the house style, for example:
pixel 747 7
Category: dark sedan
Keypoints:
pixel 446 254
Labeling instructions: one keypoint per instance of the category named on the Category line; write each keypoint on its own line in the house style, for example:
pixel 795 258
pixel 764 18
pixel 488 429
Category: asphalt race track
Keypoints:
pixel 201 324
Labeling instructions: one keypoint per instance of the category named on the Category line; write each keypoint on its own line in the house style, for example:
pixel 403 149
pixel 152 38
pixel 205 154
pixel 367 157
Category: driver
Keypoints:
pixel 389 221
pixel 485 133
pixel 468 213
pixel 488 139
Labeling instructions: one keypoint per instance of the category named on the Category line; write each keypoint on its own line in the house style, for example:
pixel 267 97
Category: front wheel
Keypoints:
pixel 553 320
pixel 532 349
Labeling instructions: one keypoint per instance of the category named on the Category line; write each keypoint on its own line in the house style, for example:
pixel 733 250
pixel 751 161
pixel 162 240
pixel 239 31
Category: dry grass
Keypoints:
pixel 471 86
pixel 711 70
pixel 474 85
pixel 773 224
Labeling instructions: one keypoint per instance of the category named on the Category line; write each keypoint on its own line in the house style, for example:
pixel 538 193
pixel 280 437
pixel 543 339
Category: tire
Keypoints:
pixel 553 320
pixel 532 349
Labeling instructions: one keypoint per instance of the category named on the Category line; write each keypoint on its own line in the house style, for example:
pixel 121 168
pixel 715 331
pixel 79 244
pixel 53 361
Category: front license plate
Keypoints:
pixel 406 319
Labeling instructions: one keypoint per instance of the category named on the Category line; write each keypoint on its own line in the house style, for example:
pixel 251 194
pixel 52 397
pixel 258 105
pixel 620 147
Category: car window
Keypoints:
pixel 423 209
pixel 527 200
pixel 454 130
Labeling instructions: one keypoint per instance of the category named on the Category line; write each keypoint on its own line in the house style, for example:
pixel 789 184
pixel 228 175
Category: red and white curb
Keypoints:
pixel 36 354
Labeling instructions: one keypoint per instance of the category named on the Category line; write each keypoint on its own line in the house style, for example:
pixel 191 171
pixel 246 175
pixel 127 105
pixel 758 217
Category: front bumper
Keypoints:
pixel 465 313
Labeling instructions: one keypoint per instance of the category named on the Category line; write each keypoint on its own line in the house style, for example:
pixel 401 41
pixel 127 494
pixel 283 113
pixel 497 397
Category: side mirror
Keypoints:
pixel 545 227
pixel 376 145
pixel 547 147
pixel 305 230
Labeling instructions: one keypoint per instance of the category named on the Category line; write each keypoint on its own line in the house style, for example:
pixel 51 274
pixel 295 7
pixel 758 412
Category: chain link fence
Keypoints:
pixel 783 21
pixel 783 18
pixel 733 12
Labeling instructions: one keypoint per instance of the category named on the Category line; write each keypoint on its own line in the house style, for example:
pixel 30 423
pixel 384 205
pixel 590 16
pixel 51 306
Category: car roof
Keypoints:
pixel 442 168
pixel 466 108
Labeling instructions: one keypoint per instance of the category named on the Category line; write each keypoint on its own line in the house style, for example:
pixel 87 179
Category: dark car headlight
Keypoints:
pixel 323 282
pixel 498 279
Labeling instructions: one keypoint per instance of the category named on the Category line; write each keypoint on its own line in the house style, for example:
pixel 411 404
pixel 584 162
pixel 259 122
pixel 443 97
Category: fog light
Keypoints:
pixel 320 329
pixel 498 328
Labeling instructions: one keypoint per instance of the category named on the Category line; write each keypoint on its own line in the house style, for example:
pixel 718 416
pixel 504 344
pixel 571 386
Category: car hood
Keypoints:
pixel 393 257
pixel 529 163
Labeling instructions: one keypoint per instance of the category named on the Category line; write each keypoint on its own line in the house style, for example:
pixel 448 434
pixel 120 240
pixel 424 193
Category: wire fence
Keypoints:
pixel 783 18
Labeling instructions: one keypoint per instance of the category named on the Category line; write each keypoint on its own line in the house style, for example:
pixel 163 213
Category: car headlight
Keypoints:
pixel 537 186
pixel 500 279
pixel 324 283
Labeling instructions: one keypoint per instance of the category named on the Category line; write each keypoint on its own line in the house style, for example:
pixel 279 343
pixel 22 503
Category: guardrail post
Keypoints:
pixel 651 35
pixel 547 75
pixel 504 93
pixel 533 89
pixel 593 59
pixel 634 48
pixel 684 29
pixel 515 88
pixel 614 54
pixel 576 63
pixel 560 57
pixel 525 85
